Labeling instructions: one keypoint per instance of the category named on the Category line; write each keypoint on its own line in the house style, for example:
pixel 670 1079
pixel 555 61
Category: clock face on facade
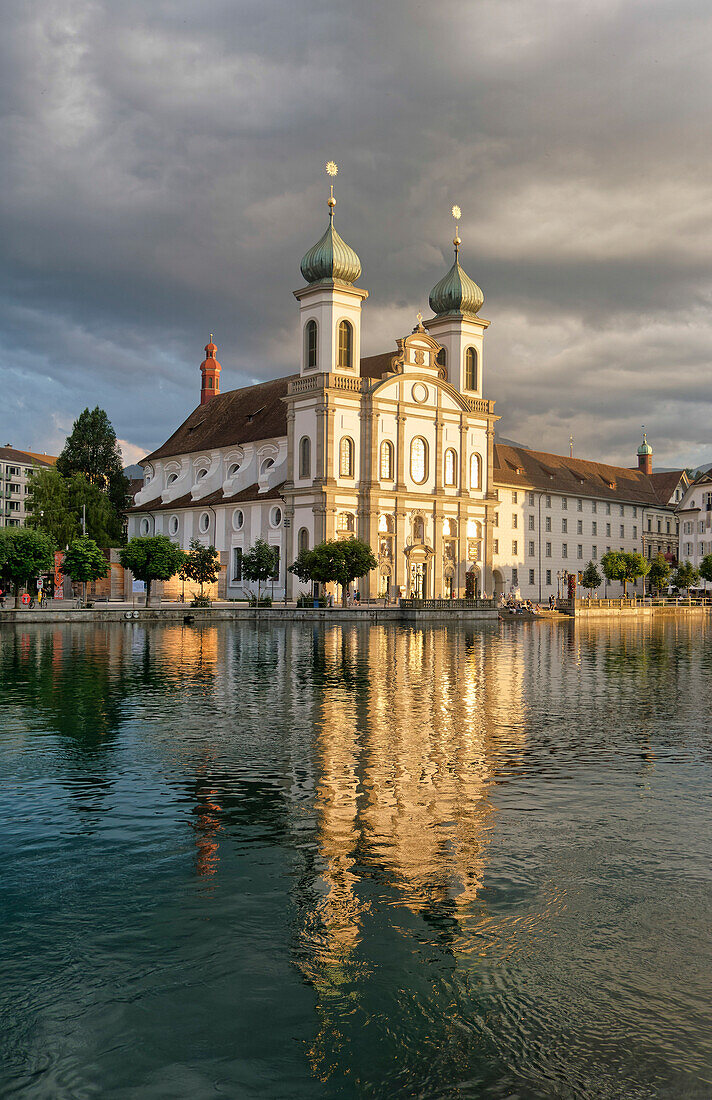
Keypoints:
pixel 419 392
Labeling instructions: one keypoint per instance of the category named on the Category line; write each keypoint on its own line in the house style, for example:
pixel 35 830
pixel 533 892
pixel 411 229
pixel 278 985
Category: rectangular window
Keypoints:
pixel 514 547
pixel 564 526
pixel 622 530
pixel 495 546
pixel 548 576
pixel 650 524
pixel 496 519
pixel 635 532
pixel 660 527
pixel 275 573
pixel 594 528
pixel 548 549
pixel 531 549
pixel 635 512
pixel 579 527
pixel 565 503
pixel 515 520
pixel 667 527
pixel 608 528
pixel 531 499
pixel 515 578
pixel 579 505
pixel 593 507
pixel 579 551
pixel 564 550
pixel 622 509
pixel 594 552
pixel 237 563
pixel 548 501
pixel 531 576
pixel 515 496
pixel 14 488
pixel 531 523
pixel 547 523
pixel 608 509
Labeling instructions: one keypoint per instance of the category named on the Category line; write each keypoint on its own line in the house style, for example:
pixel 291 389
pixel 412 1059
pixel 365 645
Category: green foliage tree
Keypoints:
pixel 153 558
pixel 24 555
pixel 634 566
pixel 659 573
pixel 49 507
pixel 591 577
pixel 202 564
pixel 259 564
pixel 613 566
pixel 84 562
pixel 338 561
pixel 685 576
pixel 92 449
pixel 706 568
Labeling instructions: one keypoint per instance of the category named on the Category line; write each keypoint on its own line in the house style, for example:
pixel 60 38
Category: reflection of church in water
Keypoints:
pixel 396 448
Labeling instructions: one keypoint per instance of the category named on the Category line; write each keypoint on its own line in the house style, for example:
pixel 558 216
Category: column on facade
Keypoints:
pixel 400 447
pixel 438 507
pixel 400 562
pixel 289 548
pixel 463 494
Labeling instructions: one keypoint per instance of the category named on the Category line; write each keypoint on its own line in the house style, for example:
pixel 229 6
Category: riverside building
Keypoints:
pixel 397 449
pixel 695 519
pixel 15 470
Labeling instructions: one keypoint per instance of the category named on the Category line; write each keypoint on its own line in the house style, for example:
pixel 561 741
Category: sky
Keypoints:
pixel 162 174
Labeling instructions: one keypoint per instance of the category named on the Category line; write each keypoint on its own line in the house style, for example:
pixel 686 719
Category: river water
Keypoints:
pixel 356 861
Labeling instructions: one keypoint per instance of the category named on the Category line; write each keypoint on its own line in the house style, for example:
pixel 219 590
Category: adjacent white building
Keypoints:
pixel 695 519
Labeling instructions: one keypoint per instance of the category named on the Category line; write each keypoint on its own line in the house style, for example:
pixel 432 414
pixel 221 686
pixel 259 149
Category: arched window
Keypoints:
pixel 345 522
pixel 173 525
pixel 418 460
pixel 386 460
pixel 234 469
pixel 475 471
pixel 305 456
pixel 346 457
pixel 171 478
pixel 418 529
pixel 266 465
pixel 345 360
pixel 386 524
pixel 441 358
pixel 450 528
pixel 450 467
pixel 302 540
pixel 310 345
pixel 470 369
pixel 204 522
pixel 210 382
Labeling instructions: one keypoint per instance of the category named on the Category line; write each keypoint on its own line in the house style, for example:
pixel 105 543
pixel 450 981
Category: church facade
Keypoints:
pixel 397 449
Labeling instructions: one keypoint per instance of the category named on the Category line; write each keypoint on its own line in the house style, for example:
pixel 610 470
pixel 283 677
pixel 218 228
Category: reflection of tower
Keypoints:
pixel 207 822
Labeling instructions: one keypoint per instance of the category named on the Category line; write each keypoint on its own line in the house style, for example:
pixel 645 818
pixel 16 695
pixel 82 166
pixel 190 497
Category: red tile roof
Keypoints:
pixel 26 458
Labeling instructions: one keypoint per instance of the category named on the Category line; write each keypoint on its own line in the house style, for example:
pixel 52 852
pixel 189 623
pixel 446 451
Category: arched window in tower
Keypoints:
pixel 475 471
pixel 346 334
pixel 471 369
pixel 386 460
pixel 441 358
pixel 346 457
pixel 450 467
pixel 305 456
pixel 310 345
pixel 302 540
pixel 418 460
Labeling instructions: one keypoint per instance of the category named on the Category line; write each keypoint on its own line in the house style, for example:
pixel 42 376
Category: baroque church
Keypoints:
pixel 397 449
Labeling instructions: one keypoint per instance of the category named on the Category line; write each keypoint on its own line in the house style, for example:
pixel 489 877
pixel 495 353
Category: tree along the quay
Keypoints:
pixel 591 577
pixel 659 572
pixel 202 565
pixel 24 555
pixel 259 564
pixel 338 561
pixel 152 558
pixel 685 576
pixel 84 562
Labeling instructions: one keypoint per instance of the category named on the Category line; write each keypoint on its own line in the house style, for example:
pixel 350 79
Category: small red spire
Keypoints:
pixel 210 373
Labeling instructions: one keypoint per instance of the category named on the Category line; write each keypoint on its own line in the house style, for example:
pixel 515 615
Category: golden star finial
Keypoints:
pixel 457 214
pixel 332 168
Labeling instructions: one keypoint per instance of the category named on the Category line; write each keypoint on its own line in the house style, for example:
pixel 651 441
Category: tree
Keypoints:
pixel 659 572
pixel 104 525
pixel 24 555
pixel 260 563
pixel 685 576
pixel 84 562
pixel 634 566
pixel 93 450
pixel 591 577
pixel 340 561
pixel 202 564
pixel 706 568
pixel 48 503
pixel 154 558
pixel 613 566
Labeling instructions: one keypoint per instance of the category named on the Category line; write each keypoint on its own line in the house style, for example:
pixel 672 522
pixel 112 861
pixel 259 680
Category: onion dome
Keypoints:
pixel 331 257
pixel 456 292
pixel 645 448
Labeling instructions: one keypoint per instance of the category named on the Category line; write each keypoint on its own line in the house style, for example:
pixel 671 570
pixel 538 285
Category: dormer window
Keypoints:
pixel 234 469
pixel 266 465
pixel 171 478
pixel 201 474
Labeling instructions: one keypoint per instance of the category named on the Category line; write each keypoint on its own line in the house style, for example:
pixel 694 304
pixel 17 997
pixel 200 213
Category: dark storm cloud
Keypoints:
pixel 161 175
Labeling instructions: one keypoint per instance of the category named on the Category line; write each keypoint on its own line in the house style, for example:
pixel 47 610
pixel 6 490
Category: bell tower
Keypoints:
pixel 209 373
pixel 645 455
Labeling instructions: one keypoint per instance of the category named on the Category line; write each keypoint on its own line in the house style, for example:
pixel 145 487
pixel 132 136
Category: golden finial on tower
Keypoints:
pixel 457 214
pixel 332 169
pixel 419 315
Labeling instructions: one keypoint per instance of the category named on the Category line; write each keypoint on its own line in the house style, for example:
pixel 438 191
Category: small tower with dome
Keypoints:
pixel 645 455
pixel 209 373
pixel 330 304
pixel 456 301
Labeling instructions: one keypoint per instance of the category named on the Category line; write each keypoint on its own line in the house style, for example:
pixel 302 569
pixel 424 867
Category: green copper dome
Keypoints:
pixel 331 258
pixel 456 293
pixel 645 448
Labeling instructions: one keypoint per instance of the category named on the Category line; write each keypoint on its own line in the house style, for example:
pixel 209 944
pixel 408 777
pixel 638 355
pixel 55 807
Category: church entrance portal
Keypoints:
pixel 418 580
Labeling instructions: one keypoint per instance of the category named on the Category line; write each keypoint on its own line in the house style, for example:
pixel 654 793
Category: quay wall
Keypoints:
pixel 246 614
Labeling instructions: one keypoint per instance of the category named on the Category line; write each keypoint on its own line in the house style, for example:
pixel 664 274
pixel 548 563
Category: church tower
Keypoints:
pixel 456 301
pixel 330 305
pixel 645 456
pixel 209 374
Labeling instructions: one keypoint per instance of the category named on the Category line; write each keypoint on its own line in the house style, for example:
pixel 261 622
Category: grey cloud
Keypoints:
pixel 161 177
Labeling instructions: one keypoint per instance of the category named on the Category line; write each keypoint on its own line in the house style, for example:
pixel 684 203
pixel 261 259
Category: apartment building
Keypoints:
pixel 15 468
pixel 695 518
